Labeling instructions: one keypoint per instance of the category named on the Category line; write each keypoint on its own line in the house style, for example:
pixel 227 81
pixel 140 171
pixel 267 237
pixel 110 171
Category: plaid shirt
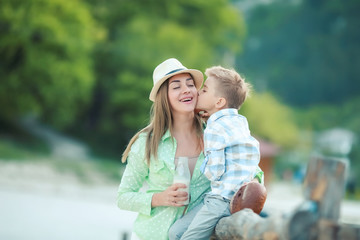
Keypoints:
pixel 231 154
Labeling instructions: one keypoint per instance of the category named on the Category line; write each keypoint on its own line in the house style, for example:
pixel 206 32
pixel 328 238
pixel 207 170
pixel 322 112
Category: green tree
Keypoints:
pixel 45 64
pixel 271 119
pixel 140 35
pixel 307 52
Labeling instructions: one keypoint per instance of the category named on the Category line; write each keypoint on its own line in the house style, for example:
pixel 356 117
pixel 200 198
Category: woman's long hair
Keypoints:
pixel 160 121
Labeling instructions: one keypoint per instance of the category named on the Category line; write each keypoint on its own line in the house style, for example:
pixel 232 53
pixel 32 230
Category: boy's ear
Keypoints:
pixel 220 103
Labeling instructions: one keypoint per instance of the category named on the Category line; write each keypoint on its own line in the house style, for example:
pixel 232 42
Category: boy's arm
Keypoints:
pixel 215 164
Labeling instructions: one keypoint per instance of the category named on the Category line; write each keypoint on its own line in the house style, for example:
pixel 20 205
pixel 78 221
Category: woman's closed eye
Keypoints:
pixel 190 82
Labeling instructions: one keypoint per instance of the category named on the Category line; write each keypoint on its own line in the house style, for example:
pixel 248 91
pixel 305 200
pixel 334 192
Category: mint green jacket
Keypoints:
pixel 154 223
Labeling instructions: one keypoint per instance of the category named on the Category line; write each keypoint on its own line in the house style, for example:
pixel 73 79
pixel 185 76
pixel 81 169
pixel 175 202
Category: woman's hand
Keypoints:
pixel 170 197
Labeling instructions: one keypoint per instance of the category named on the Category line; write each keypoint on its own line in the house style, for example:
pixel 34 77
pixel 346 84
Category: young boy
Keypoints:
pixel 231 153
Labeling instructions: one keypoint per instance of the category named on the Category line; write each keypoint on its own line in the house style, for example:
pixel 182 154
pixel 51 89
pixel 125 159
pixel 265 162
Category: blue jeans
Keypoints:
pixel 200 222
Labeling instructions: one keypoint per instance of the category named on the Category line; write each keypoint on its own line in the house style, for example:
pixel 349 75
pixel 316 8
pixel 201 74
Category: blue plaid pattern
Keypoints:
pixel 232 155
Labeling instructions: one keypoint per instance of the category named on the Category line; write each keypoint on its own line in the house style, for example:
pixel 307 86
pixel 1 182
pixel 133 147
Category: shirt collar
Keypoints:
pixel 221 113
pixel 166 135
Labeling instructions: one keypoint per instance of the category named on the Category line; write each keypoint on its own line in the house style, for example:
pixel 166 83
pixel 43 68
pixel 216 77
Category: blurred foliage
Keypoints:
pixel 45 64
pixel 15 143
pixel 140 35
pixel 270 119
pixel 11 150
pixel 325 116
pixel 85 66
pixel 307 52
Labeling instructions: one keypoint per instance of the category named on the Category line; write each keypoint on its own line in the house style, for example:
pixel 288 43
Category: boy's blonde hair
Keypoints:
pixel 230 85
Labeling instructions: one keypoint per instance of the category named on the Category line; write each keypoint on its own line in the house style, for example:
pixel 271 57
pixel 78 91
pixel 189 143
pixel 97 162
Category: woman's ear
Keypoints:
pixel 220 103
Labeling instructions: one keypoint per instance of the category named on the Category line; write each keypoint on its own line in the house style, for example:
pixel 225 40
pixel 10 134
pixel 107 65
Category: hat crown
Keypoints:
pixel 167 67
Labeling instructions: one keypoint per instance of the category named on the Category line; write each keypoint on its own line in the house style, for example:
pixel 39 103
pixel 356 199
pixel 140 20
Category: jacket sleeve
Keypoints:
pixel 259 175
pixel 130 197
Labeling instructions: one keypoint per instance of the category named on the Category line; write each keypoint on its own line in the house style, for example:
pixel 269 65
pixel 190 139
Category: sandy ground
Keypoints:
pixel 39 203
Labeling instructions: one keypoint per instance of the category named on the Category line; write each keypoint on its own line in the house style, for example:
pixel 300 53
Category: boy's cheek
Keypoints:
pixel 198 101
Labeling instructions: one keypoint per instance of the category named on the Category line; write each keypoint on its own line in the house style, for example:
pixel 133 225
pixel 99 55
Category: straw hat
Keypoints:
pixel 169 68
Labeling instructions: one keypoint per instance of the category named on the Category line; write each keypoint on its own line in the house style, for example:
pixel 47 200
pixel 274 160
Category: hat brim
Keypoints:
pixel 196 75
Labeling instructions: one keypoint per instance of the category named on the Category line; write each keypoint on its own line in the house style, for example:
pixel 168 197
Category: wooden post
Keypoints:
pixel 324 183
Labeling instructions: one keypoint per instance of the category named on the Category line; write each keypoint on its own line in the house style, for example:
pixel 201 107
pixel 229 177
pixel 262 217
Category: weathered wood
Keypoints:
pixel 246 224
pixel 324 183
pixel 315 219
pixel 302 222
pixel 330 230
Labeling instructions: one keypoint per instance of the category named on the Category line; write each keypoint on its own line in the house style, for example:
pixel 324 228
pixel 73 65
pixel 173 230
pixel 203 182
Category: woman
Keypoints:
pixel 174 131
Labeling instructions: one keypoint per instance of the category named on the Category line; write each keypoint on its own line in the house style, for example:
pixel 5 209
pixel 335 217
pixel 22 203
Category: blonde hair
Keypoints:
pixel 161 120
pixel 230 85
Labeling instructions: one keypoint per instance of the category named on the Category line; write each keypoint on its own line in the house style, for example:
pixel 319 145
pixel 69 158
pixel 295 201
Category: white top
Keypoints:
pixel 192 163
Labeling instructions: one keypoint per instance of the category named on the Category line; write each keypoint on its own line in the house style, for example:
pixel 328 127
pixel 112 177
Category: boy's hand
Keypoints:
pixel 204 115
